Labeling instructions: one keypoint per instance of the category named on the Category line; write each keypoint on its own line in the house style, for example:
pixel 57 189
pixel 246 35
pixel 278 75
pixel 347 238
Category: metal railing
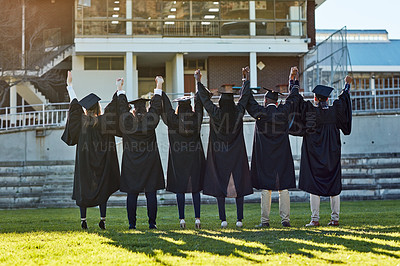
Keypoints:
pixel 95 27
pixel 55 114
pixel 379 100
pixel 32 116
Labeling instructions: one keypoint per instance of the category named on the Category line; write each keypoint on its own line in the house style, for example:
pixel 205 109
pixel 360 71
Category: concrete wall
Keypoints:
pixel 101 82
pixel 371 134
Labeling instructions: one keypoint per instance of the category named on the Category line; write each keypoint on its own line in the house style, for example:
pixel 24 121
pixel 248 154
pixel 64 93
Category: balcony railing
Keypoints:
pixel 188 28
pixel 55 114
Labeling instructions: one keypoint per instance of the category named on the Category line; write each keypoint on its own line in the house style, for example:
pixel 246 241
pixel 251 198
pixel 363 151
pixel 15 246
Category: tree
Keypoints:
pixel 20 63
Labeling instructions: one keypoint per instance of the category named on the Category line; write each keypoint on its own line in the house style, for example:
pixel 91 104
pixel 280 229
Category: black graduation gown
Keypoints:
pixel 96 174
pixel 272 165
pixel 186 160
pixel 226 153
pixel 141 163
pixel 320 168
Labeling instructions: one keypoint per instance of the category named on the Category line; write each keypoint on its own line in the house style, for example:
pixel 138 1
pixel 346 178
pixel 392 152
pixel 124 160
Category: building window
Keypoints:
pixel 191 18
pixel 193 64
pixel 104 63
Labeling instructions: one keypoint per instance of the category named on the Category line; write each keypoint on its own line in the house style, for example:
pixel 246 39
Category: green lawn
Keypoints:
pixel 369 234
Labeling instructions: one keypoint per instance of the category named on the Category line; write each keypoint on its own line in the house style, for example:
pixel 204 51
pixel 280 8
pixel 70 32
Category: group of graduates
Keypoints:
pixel 225 173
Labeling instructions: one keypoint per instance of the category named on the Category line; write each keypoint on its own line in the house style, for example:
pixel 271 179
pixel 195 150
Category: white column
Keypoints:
pixel 168 77
pixel 13 104
pixel 253 69
pixel 178 74
pixel 135 85
pixel 132 84
pixel 129 16
pixel 252 15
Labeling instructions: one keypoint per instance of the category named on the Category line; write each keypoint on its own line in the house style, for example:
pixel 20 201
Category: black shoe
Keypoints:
pixel 84 224
pixel 132 227
pixel 102 225
pixel 262 225
pixel 285 224
pixel 152 226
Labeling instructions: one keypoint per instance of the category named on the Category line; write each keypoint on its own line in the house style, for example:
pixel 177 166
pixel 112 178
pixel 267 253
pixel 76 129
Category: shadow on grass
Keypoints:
pixel 244 243
pixel 251 245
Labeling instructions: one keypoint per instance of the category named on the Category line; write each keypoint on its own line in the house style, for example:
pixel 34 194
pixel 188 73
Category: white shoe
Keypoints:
pixel 182 224
pixel 224 224
pixel 239 224
pixel 197 224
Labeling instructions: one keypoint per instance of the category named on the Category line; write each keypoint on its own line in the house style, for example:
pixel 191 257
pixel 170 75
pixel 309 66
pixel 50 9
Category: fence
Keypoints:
pixel 38 115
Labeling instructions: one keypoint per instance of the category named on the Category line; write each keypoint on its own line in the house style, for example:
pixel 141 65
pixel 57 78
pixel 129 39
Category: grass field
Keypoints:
pixel 369 234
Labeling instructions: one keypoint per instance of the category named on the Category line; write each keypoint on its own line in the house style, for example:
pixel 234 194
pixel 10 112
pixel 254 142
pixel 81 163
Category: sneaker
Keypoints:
pixel 132 227
pixel 312 223
pixel 239 224
pixel 333 223
pixel 262 225
pixel 102 225
pixel 182 224
pixel 224 224
pixel 285 224
pixel 152 226
pixel 84 224
pixel 197 224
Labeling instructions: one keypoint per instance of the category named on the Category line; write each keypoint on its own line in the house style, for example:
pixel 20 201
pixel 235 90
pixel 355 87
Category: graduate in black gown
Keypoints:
pixel 272 165
pixel 96 174
pixel 320 168
pixel 186 160
pixel 141 163
pixel 227 169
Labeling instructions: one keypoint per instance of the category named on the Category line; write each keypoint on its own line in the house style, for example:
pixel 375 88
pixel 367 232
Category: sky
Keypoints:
pixel 360 15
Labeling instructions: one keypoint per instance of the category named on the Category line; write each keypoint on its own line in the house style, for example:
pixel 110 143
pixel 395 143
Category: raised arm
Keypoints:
pixel 343 108
pixel 110 118
pixel 204 95
pixel 246 97
pixel 293 100
pixel 156 101
pixel 75 113
pixel 244 91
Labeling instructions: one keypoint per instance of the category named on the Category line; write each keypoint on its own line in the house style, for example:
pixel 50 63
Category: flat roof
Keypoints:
pixel 376 31
pixel 375 53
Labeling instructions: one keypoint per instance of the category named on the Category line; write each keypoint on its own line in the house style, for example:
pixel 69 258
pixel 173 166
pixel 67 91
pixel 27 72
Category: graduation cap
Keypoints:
pixel 183 100
pixel 322 90
pixel 90 100
pixel 226 89
pixel 273 95
pixel 141 102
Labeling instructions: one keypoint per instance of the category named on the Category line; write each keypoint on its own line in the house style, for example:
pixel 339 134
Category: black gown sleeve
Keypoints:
pixel 198 109
pixel 110 119
pixel 154 112
pixel 168 114
pixel 212 110
pixel 125 117
pixel 252 107
pixel 292 101
pixel 74 123
pixel 245 94
pixel 344 111
pixel 299 111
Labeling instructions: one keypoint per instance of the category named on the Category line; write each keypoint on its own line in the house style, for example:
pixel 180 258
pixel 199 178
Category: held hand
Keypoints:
pixel 348 79
pixel 197 75
pixel 159 81
pixel 294 73
pixel 119 83
pixel 69 78
pixel 245 73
